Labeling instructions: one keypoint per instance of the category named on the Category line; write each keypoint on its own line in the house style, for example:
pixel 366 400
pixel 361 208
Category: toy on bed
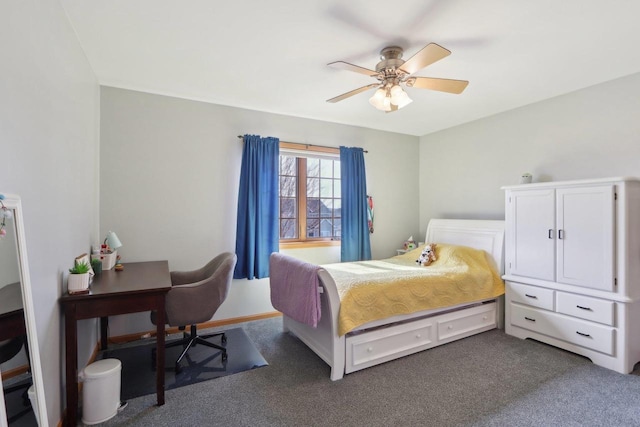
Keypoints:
pixel 428 255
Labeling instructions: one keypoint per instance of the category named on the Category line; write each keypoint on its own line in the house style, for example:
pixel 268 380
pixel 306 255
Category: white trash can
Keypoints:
pixel 101 391
pixel 31 392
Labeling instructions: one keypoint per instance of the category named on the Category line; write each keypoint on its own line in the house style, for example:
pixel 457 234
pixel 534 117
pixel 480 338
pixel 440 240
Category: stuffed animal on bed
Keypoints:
pixel 428 255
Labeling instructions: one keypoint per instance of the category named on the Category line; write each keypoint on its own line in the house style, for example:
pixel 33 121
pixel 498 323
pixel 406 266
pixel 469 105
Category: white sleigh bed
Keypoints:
pixel 384 340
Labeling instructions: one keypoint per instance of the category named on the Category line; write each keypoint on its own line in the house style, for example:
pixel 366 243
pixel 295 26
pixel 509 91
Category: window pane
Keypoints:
pixel 313 208
pixel 313 167
pixel 337 208
pixel 313 228
pixel 326 187
pixel 313 187
pixel 288 186
pixel 288 207
pixel 326 208
pixel 287 165
pixel 337 228
pixel 326 227
pixel 337 191
pixel 288 229
pixel 326 168
pixel 336 169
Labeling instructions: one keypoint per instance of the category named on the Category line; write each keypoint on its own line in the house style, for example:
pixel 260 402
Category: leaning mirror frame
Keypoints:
pixel 13 203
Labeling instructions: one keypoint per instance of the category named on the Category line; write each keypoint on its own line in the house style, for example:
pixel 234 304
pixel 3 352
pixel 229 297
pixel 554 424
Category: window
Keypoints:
pixel 310 203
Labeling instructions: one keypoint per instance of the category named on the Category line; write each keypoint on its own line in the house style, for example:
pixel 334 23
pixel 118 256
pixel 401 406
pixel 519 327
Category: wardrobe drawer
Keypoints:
pixel 594 309
pixel 579 332
pixel 388 343
pixel 531 295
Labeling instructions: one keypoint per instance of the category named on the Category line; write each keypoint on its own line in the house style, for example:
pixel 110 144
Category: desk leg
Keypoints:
pixel 104 336
pixel 71 357
pixel 160 319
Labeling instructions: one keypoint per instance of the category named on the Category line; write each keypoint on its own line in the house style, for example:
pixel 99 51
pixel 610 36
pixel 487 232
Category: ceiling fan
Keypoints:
pixel 392 72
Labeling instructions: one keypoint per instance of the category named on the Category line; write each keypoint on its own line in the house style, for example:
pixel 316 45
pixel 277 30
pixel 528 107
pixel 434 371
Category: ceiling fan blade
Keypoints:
pixel 427 56
pixel 341 65
pixel 442 85
pixel 353 92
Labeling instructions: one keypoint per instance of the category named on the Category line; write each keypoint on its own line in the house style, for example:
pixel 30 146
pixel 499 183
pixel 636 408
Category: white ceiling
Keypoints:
pixel 272 55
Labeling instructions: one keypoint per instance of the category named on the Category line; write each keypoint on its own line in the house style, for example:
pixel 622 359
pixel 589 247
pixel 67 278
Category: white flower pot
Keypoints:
pixel 77 283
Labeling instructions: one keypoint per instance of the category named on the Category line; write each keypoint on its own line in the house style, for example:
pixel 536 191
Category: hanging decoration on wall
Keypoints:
pixel 5 213
pixel 370 213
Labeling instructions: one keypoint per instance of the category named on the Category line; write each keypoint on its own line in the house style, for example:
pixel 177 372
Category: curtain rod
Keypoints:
pixel 306 145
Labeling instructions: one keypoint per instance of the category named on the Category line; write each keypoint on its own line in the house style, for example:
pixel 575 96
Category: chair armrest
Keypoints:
pixel 184 277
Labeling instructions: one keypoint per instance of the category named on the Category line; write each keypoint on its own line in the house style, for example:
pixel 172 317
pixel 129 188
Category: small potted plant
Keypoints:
pixel 78 280
pixel 96 264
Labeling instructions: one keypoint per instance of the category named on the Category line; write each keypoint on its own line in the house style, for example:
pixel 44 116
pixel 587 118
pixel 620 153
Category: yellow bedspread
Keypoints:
pixel 373 290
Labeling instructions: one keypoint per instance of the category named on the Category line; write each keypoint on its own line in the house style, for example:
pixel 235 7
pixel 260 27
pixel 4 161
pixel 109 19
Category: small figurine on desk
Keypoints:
pixel 118 266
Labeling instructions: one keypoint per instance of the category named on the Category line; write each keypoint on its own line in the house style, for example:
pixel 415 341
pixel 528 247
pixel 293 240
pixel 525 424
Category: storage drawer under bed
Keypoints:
pixel 369 348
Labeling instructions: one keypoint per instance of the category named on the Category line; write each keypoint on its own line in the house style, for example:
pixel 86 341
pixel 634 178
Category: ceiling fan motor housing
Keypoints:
pixel 389 67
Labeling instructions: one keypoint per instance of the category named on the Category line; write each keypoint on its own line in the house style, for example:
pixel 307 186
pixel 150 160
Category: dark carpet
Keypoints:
pixel 202 363
pixel 19 412
pixel 490 379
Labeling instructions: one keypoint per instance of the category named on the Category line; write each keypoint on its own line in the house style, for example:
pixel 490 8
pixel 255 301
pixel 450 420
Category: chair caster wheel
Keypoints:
pixel 224 339
pixel 224 356
pixel 178 368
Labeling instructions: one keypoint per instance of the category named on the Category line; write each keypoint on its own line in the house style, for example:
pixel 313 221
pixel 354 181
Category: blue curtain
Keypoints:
pixel 355 244
pixel 257 232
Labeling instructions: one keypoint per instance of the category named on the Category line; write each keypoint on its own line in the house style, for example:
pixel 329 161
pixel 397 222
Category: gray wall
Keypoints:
pixel 591 133
pixel 169 181
pixel 49 120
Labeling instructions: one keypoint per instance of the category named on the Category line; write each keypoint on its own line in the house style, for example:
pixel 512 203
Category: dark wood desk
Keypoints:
pixel 141 286
pixel 11 313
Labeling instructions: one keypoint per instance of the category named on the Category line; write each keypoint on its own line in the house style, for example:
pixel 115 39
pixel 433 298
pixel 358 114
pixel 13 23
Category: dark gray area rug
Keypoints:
pixel 202 363
pixel 17 404
pixel 490 379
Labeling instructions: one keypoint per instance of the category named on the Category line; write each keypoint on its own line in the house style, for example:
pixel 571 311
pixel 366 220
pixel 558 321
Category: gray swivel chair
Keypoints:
pixel 194 298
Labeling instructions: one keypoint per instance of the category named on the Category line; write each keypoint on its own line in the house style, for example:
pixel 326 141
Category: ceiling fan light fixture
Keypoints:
pixel 399 97
pixel 402 100
pixel 378 99
pixel 386 103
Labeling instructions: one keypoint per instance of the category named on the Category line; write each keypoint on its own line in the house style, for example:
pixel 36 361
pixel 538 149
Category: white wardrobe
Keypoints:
pixel 572 267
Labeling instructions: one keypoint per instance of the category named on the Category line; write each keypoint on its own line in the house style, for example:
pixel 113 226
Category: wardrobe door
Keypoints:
pixel 531 233
pixel 585 220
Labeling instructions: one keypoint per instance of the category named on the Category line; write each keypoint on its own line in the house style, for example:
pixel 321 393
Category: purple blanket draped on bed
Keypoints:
pixel 294 288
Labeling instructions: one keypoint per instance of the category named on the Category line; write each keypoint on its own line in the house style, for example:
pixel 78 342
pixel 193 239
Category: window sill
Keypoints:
pixel 309 244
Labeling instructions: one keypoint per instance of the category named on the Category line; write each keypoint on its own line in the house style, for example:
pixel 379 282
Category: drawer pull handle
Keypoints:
pixel 550 233
pixel 449 327
pixel 530 296
pixel 369 349
pixel 560 234
pixel 530 319
pixel 418 336
pixel 584 335
pixel 584 308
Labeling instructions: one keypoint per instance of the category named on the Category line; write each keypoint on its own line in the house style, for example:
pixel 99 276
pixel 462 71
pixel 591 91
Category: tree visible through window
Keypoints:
pixel 310 200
